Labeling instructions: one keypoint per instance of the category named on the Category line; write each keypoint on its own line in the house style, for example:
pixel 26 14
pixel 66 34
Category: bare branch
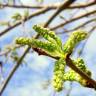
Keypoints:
pixel 50 6
pixel 60 9
pixel 4 84
pixel 5 52
pixel 26 19
pixel 73 19
pixel 78 27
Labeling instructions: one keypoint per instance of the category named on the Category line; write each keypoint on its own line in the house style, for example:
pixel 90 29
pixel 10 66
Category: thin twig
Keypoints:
pixel 5 52
pixel 74 19
pixel 26 19
pixel 60 9
pixel 4 84
pixel 78 27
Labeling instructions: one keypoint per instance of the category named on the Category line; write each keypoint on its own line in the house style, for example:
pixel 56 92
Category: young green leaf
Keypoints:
pixel 17 17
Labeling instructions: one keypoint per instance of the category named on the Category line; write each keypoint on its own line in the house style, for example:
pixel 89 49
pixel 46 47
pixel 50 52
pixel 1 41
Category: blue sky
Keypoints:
pixel 31 79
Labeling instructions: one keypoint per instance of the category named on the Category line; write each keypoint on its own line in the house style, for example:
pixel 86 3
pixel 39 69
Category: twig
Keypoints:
pixel 50 6
pixel 26 19
pixel 82 25
pixel 9 49
pixel 74 19
pixel 4 84
pixel 78 27
pixel 38 13
pixel 60 9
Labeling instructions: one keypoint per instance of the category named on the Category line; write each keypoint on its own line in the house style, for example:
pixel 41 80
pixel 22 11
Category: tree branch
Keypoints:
pixel 4 84
pixel 50 6
pixel 73 19
pixel 78 27
pixel 60 9
pixel 9 49
pixel 91 82
pixel 26 19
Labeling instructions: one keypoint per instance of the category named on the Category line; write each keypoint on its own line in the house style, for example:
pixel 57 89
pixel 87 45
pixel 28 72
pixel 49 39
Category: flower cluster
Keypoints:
pixel 53 47
pixel 71 75
pixel 48 47
pixel 47 34
pixel 74 39
pixel 59 67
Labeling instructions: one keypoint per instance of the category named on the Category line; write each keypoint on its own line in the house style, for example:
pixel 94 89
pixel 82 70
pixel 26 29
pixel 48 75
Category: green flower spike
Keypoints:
pixel 73 40
pixel 48 47
pixel 81 64
pixel 47 34
pixel 71 75
pixel 59 69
